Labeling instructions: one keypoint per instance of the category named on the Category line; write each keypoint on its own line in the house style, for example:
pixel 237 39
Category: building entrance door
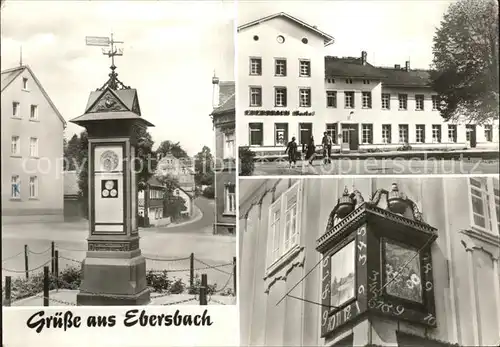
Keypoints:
pixel 471 134
pixel 350 136
pixel 305 132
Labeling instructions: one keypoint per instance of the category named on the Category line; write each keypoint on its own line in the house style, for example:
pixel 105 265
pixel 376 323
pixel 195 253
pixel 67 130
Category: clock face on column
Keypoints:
pixel 109 160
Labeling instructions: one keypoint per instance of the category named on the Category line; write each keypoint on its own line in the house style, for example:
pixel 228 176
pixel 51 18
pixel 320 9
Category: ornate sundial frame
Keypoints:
pixel 370 224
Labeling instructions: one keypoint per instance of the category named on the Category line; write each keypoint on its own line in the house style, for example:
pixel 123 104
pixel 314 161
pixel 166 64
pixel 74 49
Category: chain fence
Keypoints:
pixel 37 284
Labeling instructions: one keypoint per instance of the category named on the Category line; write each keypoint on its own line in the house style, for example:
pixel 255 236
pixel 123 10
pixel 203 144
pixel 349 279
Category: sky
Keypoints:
pixel 170 52
pixel 390 31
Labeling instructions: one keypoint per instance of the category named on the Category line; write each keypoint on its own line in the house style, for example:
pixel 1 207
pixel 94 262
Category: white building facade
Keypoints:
pixel 32 150
pixel 288 88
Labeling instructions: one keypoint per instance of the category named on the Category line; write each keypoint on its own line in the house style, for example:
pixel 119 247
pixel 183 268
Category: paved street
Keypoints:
pixel 156 243
pixel 379 166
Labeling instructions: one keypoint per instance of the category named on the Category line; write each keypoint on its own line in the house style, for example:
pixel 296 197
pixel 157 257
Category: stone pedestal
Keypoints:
pixel 114 278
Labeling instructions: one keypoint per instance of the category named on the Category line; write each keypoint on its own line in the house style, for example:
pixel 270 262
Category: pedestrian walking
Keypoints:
pixel 310 150
pixel 327 143
pixel 291 149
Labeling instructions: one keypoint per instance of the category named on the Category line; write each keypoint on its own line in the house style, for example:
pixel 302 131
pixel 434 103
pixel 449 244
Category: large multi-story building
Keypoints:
pixel 223 116
pixel 370 261
pixel 32 150
pixel 288 88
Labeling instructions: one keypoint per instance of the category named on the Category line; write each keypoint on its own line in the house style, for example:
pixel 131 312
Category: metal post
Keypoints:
pixel 53 254
pixel 46 281
pixel 203 290
pixel 56 267
pixel 191 270
pixel 7 290
pixel 235 278
pixel 26 267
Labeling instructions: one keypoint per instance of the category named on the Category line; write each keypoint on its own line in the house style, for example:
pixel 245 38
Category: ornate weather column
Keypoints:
pixel 376 263
pixel 114 271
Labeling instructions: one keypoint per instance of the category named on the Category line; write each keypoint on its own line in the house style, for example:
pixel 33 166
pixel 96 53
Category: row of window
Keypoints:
pixel 347 81
pixel 155 194
pixel 281 136
pixel 280 99
pixel 280 67
pixel 366 100
pixel 16 111
pixel 15 147
pixel 16 187
pixel 284 214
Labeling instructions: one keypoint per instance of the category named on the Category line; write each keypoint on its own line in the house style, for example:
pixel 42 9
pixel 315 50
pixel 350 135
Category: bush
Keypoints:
pixel 405 147
pixel 159 281
pixel 69 278
pixel 177 286
pixel 247 164
pixel 212 288
pixel 209 192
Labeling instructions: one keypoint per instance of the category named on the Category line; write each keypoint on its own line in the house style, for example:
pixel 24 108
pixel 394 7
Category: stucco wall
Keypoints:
pixel 466 282
pixel 48 167
pixel 292 50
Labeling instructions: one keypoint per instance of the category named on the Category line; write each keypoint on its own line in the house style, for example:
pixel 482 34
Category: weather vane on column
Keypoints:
pixel 113 81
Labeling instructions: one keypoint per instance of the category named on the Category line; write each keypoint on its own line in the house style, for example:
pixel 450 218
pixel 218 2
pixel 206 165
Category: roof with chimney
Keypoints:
pixel 227 98
pixel 9 75
pixel 398 76
pixel 326 38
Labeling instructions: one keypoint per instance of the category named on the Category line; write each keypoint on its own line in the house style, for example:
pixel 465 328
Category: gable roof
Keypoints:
pixel 9 75
pixel 328 40
pixel 127 97
pixel 227 98
pixel 390 77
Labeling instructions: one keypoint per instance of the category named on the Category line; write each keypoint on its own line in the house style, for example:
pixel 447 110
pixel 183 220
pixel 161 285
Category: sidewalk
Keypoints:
pixel 67 297
pixel 486 154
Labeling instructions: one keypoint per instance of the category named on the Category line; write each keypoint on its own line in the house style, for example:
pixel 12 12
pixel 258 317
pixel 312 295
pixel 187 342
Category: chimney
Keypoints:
pixel 397 67
pixel 215 91
pixel 363 57
pixel 407 65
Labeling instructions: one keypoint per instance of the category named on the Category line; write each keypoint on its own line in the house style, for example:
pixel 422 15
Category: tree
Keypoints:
pixel 246 157
pixel 72 153
pixel 83 175
pixel 203 162
pixel 465 64
pixel 146 165
pixel 173 147
pixel 172 205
